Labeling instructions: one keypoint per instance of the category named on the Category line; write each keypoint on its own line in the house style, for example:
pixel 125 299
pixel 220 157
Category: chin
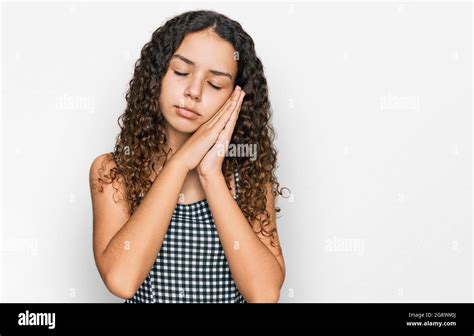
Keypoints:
pixel 183 125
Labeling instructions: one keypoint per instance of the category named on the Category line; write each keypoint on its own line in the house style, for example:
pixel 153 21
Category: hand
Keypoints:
pixel 211 164
pixel 196 147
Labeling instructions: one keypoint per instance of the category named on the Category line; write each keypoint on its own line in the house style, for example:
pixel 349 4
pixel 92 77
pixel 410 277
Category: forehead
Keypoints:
pixel 208 50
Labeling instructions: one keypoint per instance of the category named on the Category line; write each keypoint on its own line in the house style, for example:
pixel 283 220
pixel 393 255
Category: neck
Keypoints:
pixel 175 139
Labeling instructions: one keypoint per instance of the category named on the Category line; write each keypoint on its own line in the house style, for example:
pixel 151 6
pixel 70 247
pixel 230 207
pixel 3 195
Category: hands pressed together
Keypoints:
pixel 203 150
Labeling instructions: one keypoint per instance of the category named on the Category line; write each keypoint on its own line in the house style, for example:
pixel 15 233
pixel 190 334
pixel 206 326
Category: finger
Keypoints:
pixel 230 125
pixel 222 140
pixel 222 121
pixel 226 105
pixel 235 113
pixel 229 105
pixel 225 113
pixel 225 134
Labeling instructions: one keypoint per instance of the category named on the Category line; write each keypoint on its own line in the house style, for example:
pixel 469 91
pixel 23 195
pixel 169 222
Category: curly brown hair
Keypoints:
pixel 142 139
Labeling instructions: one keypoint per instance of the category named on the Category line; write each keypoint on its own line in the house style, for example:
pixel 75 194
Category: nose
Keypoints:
pixel 194 90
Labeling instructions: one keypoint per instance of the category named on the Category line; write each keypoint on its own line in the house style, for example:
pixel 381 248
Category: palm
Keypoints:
pixel 211 163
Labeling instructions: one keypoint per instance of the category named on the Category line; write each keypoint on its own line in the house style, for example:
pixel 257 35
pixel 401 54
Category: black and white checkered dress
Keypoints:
pixel 191 266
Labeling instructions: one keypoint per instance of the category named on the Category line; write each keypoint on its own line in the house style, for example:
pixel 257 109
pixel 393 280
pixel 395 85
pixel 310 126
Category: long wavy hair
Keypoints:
pixel 142 139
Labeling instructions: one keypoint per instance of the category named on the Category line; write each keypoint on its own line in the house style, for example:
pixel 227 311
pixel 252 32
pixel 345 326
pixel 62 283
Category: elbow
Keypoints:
pixel 265 296
pixel 120 286
pixel 269 292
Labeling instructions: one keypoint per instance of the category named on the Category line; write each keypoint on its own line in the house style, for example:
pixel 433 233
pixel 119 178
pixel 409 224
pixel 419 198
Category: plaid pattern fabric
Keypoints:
pixel 191 266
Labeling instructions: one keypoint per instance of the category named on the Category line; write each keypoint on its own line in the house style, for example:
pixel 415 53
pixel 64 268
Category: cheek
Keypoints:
pixel 167 84
pixel 218 101
pixel 169 92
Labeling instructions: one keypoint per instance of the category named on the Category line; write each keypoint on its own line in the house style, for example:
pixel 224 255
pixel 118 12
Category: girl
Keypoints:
pixel 178 215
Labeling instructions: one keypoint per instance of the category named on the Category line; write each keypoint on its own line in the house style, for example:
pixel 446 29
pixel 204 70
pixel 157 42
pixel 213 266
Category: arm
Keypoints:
pixel 258 268
pixel 125 247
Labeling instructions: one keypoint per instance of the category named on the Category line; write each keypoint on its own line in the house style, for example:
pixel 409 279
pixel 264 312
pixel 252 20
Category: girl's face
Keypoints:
pixel 200 78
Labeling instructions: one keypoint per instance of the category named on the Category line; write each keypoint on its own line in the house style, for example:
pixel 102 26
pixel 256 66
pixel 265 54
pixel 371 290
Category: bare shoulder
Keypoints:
pixel 100 169
pixel 104 180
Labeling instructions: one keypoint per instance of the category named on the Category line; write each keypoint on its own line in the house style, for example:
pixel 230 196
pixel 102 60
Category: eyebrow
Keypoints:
pixel 188 61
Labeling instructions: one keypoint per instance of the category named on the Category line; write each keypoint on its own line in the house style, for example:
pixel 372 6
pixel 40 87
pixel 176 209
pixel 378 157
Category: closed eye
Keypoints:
pixel 185 74
pixel 215 87
pixel 180 73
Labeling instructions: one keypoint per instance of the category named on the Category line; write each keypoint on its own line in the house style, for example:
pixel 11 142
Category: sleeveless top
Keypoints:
pixel 191 266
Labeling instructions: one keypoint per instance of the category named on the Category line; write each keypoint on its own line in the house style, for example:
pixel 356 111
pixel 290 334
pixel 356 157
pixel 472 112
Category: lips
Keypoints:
pixel 187 109
pixel 186 113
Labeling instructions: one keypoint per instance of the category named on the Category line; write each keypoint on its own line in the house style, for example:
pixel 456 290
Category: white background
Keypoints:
pixel 372 107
